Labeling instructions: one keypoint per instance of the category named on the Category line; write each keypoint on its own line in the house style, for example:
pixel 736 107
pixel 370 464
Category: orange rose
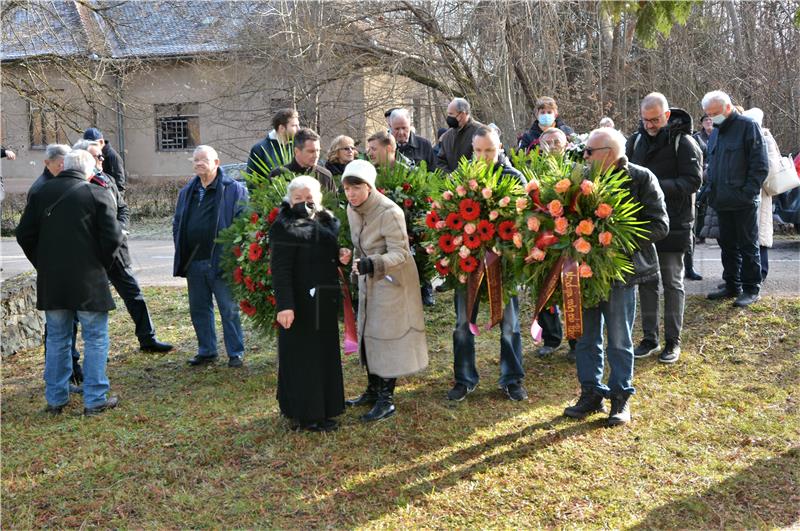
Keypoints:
pixel 563 185
pixel 556 208
pixel 603 211
pixel 517 239
pixel 584 270
pixel 535 255
pixel 562 225
pixel 587 187
pixel 582 246
pixel 605 238
pixel 585 228
pixel 533 224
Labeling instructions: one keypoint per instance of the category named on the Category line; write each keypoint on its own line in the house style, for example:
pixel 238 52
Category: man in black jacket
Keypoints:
pixel 456 142
pixel 70 234
pixel 737 167
pixel 410 144
pixel 305 161
pixel 664 146
pixel 112 162
pixel 605 148
pixel 272 152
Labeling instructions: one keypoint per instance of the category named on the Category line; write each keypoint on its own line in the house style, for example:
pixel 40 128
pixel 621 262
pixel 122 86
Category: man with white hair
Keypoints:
pixel 737 167
pixel 456 142
pixel 70 234
pixel 605 150
pixel 664 145
pixel 206 205
pixel 409 143
pixel 53 164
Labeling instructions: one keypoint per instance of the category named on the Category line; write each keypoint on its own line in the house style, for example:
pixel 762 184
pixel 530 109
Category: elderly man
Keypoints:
pixel 382 151
pixel 121 272
pixel 53 164
pixel 456 142
pixel 305 161
pixel 273 151
pixel 486 146
pixel 664 146
pixel 605 149
pixel 70 233
pixel 112 162
pixel 410 144
pixel 737 167
pixel 206 205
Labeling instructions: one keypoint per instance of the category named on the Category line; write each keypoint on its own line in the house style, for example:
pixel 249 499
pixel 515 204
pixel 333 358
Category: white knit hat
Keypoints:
pixel 362 170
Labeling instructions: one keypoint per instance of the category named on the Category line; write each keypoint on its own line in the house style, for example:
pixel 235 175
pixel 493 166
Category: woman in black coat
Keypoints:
pixel 305 256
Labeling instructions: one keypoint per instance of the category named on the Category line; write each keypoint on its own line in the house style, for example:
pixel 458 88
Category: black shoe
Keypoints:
pixel 369 396
pixel 384 407
pixel 322 426
pixel 201 360
pixel 588 403
pixel 571 355
pixel 55 410
pixel 620 410
pixel 427 295
pixel 645 348
pixel 154 345
pixel 693 275
pixel 746 299
pixel 77 372
pixel 516 392
pixel 545 350
pixel 111 403
pixel 723 293
pixel 459 392
pixel 235 361
pixel 671 352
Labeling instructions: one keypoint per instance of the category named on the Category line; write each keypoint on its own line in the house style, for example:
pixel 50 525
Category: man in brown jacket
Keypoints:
pixel 457 141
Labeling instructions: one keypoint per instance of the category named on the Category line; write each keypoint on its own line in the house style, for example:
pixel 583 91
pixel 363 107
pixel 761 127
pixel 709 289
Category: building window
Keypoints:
pixel 45 128
pixel 177 127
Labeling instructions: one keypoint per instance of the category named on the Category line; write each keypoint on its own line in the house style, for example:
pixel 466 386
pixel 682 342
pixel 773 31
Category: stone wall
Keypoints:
pixel 22 323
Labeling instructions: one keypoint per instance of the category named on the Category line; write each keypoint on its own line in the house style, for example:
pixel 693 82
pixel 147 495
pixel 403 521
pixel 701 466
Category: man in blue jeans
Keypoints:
pixel 69 232
pixel 605 148
pixel 206 205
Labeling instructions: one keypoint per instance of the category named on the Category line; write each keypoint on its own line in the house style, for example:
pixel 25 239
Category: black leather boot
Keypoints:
pixel 370 396
pixel 384 407
pixel 688 266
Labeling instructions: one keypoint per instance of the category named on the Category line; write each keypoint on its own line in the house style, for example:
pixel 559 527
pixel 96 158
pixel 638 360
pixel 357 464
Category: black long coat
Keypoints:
pixel 304 260
pixel 73 247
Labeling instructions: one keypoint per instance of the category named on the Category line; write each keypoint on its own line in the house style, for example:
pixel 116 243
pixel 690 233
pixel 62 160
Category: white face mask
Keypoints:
pixel 718 119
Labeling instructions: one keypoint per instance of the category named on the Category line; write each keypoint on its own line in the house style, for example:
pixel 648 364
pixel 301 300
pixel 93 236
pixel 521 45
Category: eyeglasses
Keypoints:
pixel 589 151
pixel 653 121
pixel 348 148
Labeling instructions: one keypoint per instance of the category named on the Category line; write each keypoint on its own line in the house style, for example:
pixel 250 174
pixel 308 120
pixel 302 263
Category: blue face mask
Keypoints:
pixel 547 119
pixel 718 119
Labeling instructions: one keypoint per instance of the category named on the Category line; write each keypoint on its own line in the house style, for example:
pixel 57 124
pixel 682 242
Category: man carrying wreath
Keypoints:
pixel 605 147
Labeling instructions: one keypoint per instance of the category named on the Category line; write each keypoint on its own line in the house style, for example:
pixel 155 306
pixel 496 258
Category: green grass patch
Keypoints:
pixel 713 443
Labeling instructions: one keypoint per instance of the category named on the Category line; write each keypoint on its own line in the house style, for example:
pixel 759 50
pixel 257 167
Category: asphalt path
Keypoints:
pixel 152 265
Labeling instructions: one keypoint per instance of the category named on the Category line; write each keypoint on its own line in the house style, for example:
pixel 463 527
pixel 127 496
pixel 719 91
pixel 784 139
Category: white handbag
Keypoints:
pixel 782 173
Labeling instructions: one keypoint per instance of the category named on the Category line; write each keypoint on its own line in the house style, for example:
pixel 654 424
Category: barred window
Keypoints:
pixel 177 127
pixel 45 128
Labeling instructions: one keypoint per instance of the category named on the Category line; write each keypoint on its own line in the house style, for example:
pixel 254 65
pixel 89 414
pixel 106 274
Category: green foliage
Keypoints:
pixel 266 162
pixel 653 17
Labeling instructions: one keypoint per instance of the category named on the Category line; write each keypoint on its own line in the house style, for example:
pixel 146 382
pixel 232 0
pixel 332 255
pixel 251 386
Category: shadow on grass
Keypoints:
pixel 764 495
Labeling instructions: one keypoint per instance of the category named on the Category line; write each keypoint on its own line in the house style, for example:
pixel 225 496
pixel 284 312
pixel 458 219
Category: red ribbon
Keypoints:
pixel 350 332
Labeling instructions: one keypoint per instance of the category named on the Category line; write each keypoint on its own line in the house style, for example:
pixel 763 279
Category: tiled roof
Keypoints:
pixel 125 28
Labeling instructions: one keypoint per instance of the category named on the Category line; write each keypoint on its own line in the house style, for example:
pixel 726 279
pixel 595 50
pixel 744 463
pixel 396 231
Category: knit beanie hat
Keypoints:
pixel 361 169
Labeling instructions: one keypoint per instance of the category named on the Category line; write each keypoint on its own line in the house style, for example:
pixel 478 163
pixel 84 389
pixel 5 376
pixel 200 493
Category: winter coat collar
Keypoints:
pixel 372 202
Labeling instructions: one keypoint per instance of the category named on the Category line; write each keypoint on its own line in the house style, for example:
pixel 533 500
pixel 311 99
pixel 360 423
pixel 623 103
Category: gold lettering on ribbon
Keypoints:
pixel 571 292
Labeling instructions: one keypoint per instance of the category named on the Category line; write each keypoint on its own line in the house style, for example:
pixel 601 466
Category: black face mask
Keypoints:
pixel 303 210
pixel 452 122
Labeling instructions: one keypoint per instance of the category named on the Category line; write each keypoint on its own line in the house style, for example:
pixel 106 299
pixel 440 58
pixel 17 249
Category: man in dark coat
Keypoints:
pixel 456 142
pixel 605 148
pixel 70 234
pixel 410 144
pixel 306 160
pixel 737 167
pixel 664 146
pixel 271 152
pixel 112 162
pixel 206 205
pixel 546 117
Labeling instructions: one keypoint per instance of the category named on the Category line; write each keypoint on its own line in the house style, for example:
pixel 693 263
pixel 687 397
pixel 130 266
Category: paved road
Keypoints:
pixel 152 263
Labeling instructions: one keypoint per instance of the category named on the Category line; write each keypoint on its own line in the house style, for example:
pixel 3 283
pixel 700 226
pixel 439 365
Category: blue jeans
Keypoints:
pixel 511 370
pixel 204 282
pixel 58 362
pixel 618 314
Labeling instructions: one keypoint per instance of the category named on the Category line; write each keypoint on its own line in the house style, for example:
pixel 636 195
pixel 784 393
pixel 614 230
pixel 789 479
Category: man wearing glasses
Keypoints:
pixel 112 162
pixel 605 149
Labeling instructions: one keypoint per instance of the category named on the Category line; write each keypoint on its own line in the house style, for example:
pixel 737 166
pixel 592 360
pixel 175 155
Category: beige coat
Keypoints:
pixel 391 323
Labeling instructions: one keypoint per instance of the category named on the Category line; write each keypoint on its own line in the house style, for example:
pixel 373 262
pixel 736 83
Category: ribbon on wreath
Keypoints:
pixel 489 268
pixel 350 332
pixel 565 271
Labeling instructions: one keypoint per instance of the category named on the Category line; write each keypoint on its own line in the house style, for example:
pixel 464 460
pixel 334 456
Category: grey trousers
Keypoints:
pixel 671 266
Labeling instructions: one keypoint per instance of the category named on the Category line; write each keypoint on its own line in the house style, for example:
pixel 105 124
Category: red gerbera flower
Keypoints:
pixel 469 209
pixel 238 275
pixel 472 241
pixel 255 252
pixel 454 221
pixel 273 214
pixel 408 202
pixel 468 264
pixel 485 230
pixel 254 218
pixel 506 230
pixel 237 251
pixel 446 243
pixel 248 282
pixel 443 270
pixel 247 308
pixel 406 187
pixel 431 219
